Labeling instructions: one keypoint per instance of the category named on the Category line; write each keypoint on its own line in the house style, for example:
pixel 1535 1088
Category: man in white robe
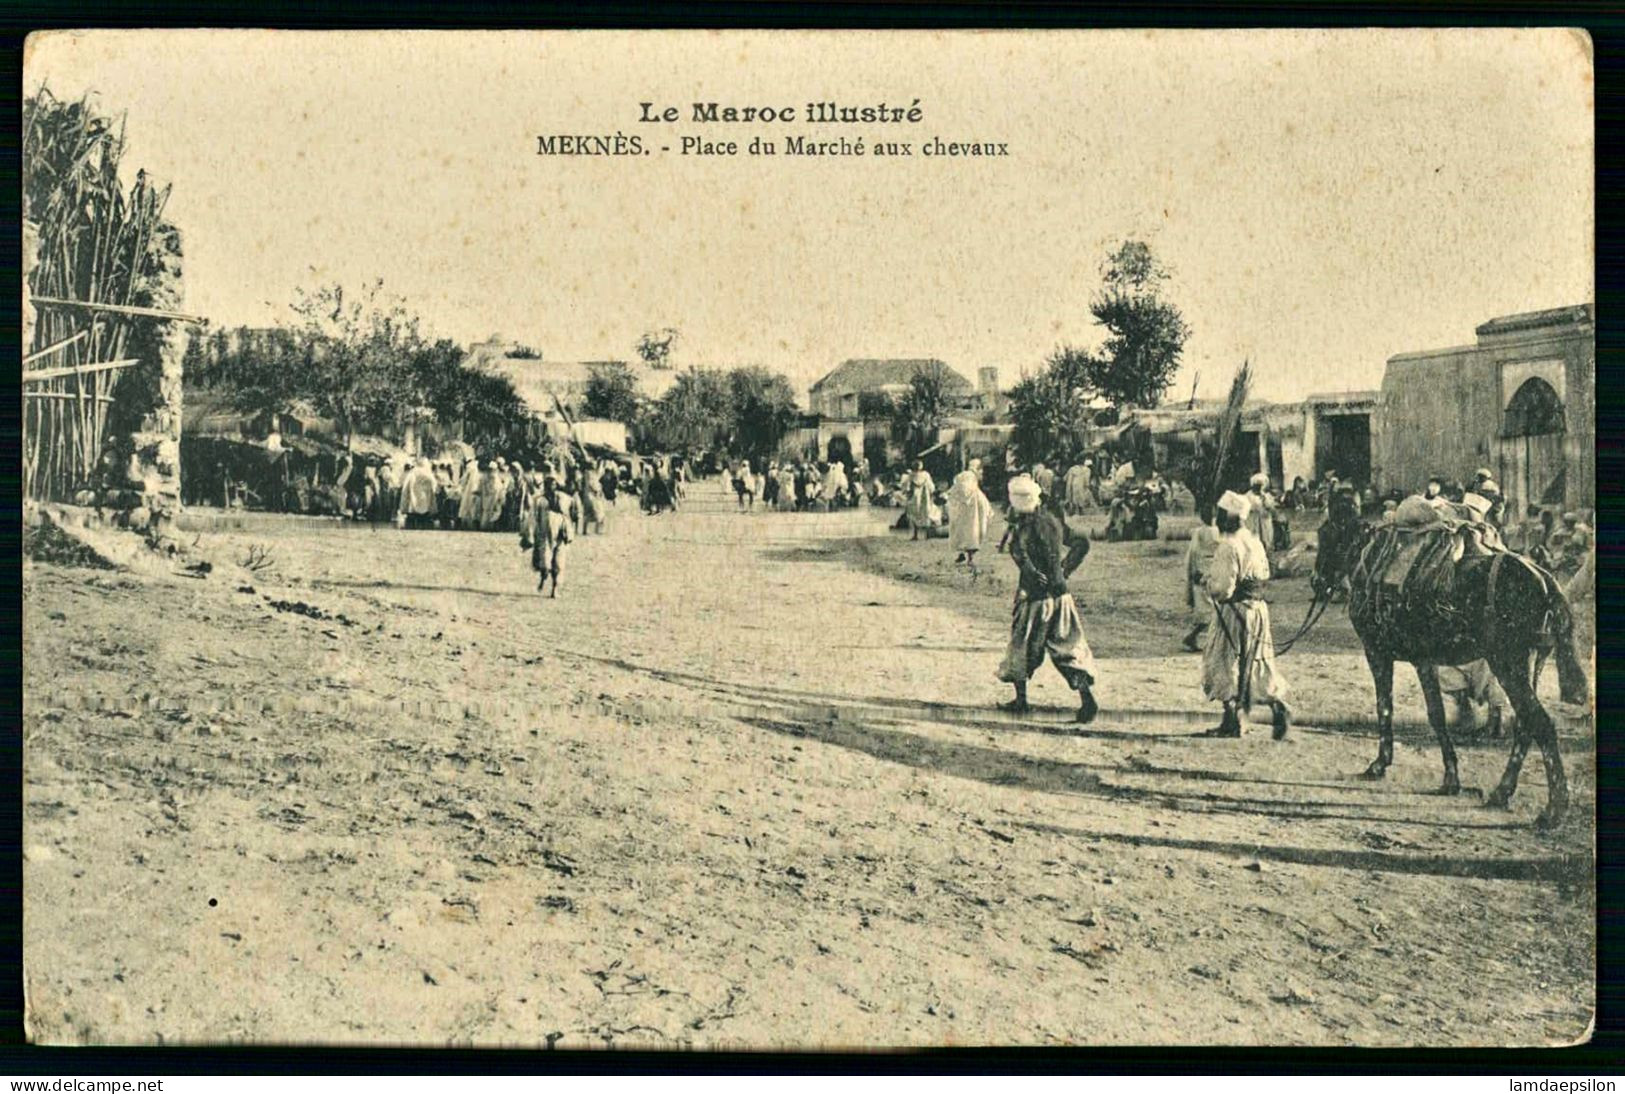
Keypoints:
pixel 418 501
pixel 835 484
pixel 920 503
pixel 969 513
pixel 468 496
pixel 1238 667
pixel 1260 520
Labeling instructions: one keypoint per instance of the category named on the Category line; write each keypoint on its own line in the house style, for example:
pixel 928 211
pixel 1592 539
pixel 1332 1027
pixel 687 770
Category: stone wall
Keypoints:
pixel 140 484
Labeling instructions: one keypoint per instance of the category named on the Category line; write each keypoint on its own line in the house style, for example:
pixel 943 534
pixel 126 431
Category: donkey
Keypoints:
pixel 1502 608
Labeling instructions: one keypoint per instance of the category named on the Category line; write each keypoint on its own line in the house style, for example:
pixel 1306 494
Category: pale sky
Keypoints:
pixel 1326 199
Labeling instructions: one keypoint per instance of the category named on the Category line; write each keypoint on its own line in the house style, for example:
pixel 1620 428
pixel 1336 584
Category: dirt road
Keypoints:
pixel 737 786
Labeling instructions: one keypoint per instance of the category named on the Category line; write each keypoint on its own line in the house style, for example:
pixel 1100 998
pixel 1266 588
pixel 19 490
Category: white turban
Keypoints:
pixel 1235 504
pixel 1024 494
pixel 1259 479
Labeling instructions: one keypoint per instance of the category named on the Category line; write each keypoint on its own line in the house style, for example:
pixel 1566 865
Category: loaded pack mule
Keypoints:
pixel 1415 595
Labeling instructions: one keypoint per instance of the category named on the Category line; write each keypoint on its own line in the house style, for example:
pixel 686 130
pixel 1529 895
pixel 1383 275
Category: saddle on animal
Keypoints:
pixel 1405 561
pixel 1416 559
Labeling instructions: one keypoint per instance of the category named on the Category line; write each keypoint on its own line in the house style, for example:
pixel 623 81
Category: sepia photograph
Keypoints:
pixel 809 540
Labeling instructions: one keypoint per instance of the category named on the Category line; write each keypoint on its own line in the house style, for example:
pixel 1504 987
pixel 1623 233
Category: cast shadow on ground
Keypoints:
pixel 1572 871
pixel 1004 769
pixel 779 699
pixel 1419 735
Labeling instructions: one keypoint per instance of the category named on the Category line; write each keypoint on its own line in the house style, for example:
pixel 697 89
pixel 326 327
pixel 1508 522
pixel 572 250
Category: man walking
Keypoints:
pixel 1045 619
pixel 1239 665
pixel 969 513
pixel 553 529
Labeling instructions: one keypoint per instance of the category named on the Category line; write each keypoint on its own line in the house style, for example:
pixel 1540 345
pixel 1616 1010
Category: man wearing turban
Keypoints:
pixel 1238 666
pixel 1045 619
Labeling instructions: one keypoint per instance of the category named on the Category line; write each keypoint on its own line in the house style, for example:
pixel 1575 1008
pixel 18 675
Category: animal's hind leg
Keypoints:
pixel 1522 738
pixel 1534 725
pixel 1574 684
pixel 1382 675
pixel 1429 678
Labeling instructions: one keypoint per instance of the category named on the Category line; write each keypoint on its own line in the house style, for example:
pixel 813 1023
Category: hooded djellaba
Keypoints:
pixel 919 503
pixel 969 513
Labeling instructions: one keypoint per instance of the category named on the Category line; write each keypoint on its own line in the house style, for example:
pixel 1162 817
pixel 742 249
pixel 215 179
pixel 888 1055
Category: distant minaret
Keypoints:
pixel 987 385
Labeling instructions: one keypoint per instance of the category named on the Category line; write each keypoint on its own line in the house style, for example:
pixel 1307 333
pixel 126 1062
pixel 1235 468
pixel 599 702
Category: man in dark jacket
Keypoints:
pixel 1045 619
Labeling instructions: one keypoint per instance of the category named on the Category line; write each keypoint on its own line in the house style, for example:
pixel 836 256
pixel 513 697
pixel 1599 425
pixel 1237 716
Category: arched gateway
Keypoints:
pixel 1533 432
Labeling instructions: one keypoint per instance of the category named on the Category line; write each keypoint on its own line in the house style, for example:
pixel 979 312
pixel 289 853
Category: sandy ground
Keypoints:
pixel 742 785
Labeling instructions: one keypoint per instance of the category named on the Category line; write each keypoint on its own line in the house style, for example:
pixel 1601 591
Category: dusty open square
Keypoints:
pixel 742 785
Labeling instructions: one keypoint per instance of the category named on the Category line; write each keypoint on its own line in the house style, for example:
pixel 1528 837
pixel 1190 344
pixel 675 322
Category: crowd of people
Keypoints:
pixel 491 494
pixel 804 485
pixel 549 505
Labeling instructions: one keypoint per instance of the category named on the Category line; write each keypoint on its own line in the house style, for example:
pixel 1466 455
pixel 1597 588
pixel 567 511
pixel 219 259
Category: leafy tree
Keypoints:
pixel 1050 411
pixel 362 360
pixel 695 413
pixel 873 405
pixel 354 347
pixel 260 372
pixel 763 408
pixel 495 416
pixel 1145 333
pixel 920 411
pixel 612 394
pixel 437 376
pixel 655 347
pixel 1134 366
pixel 524 353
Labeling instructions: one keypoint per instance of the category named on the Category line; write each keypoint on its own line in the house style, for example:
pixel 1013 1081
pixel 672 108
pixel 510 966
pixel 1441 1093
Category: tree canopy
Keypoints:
pixel 920 411
pixel 695 412
pixel 655 347
pixel 360 358
pixel 1135 364
pixel 762 408
pixel 873 405
pixel 612 394
pixel 1050 411
pixel 1145 333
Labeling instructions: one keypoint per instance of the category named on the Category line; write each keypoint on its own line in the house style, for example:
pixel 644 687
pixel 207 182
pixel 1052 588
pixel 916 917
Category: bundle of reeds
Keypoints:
pixel 97 243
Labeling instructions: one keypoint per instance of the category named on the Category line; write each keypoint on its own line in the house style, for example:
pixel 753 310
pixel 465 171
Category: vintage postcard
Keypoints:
pixel 750 540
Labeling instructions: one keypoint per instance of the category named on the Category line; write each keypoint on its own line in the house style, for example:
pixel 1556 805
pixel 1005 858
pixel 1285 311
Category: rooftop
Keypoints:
pixel 873 373
pixel 1573 315
pixel 1529 325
